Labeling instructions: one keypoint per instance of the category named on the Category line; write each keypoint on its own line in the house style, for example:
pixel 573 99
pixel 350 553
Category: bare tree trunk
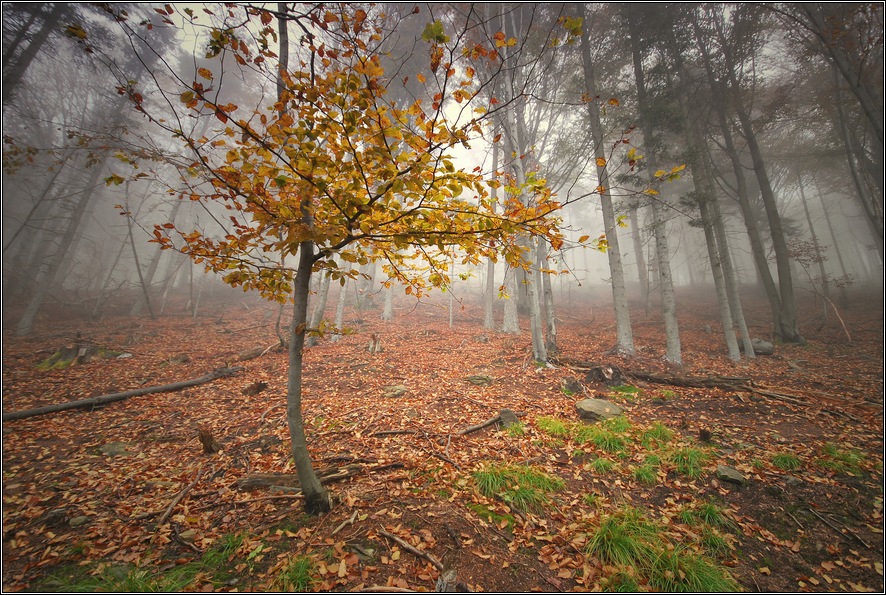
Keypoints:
pixel 16 72
pixel 50 268
pixel 624 342
pixel 825 286
pixel 152 270
pixel 548 297
pixel 510 322
pixel 317 500
pixel 340 306
pixel 491 291
pixel 642 271
pixel 319 310
pixel 844 300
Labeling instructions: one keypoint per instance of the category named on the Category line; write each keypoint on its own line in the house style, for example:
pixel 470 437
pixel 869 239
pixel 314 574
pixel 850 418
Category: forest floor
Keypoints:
pixel 83 491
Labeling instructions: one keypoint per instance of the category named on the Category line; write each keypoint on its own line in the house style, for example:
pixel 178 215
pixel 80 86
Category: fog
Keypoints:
pixel 737 148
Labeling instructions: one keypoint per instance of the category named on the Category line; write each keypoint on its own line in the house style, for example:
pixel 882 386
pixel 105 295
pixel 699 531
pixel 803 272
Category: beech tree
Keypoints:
pixel 332 167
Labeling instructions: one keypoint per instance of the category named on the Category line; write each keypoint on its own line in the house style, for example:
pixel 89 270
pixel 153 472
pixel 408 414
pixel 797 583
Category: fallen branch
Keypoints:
pixel 178 498
pixel 488 422
pixel 101 400
pixel 413 550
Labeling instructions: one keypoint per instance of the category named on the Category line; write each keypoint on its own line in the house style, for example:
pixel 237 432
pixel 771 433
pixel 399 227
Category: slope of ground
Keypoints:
pixel 83 491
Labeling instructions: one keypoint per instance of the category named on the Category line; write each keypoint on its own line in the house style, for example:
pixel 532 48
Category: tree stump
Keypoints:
pixel 210 444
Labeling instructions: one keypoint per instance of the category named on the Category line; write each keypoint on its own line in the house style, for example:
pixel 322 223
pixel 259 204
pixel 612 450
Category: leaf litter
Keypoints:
pixel 69 504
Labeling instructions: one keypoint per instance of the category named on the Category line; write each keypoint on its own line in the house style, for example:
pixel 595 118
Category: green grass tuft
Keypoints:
pixel 298 575
pixel 690 461
pixel 524 488
pixel 834 458
pixel 786 462
pixel 625 538
pixel 552 426
pixel 681 570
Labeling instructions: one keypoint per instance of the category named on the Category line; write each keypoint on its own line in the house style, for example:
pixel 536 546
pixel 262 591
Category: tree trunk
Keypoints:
pixel 548 297
pixel 317 500
pixel 659 224
pixel 510 322
pixel 319 310
pixel 152 270
pixel 491 290
pixel 642 271
pixel 16 73
pixel 624 341
pixel 50 268
pixel 844 300
pixel 340 306
pixel 819 255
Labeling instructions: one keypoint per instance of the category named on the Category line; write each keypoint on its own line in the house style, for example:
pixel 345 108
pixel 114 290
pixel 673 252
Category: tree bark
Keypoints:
pixel 16 72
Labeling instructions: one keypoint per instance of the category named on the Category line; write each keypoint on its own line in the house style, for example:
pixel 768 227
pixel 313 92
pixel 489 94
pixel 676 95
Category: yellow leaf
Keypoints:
pixel 601 162
pixel 614 102
pixel 205 73
pixel 583 239
pixel 420 77
pixel 659 173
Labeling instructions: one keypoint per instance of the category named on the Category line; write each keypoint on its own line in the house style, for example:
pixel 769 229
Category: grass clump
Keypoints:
pixel 834 458
pixel 602 437
pixel 625 538
pixel 646 474
pixel 690 461
pixel 619 424
pixel 626 391
pixel 516 430
pixel 657 434
pixel 602 465
pixel 522 487
pixel 681 570
pixel 297 576
pixel 786 462
pixel 552 426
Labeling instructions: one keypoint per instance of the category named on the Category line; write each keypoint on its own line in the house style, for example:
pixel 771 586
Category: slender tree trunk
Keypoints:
pixel 819 256
pixel 624 335
pixel 16 72
pixel 50 268
pixel 510 322
pixel 659 224
pixel 844 300
pixel 491 290
pixel 152 270
pixel 548 297
pixel 642 272
pixel 319 310
pixel 340 307
pixel 317 500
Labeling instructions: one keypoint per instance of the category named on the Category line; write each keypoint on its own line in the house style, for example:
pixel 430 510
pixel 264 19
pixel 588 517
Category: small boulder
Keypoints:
pixel 760 346
pixel 78 521
pixel 508 418
pixel 571 386
pixel 397 390
pixel 731 475
pixel 114 449
pixel 597 410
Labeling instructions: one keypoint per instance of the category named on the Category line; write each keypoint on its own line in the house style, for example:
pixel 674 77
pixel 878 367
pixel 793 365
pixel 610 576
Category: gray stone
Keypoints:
pixel 480 380
pixel 571 386
pixel 508 418
pixel 791 480
pixel 597 409
pixel 114 449
pixel 396 390
pixel 78 521
pixel 760 346
pixel 731 474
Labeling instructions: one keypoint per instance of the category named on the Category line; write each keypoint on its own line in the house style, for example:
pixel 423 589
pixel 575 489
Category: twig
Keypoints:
pixel 346 522
pixel 415 551
pixel 445 459
pixel 277 406
pixel 178 498
pixel 838 530
pixel 480 426
pixel 795 520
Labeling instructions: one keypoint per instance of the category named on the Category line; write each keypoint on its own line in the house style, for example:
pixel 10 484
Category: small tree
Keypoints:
pixel 333 168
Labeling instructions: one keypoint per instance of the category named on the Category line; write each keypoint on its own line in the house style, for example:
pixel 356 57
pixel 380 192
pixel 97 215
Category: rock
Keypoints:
pixel 571 386
pixel 481 339
pixel 478 380
pixel 791 480
pixel 188 535
pixel 597 409
pixel 78 521
pixel 114 449
pixel 396 390
pixel 731 474
pixel 248 354
pixel 508 418
pixel 760 346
